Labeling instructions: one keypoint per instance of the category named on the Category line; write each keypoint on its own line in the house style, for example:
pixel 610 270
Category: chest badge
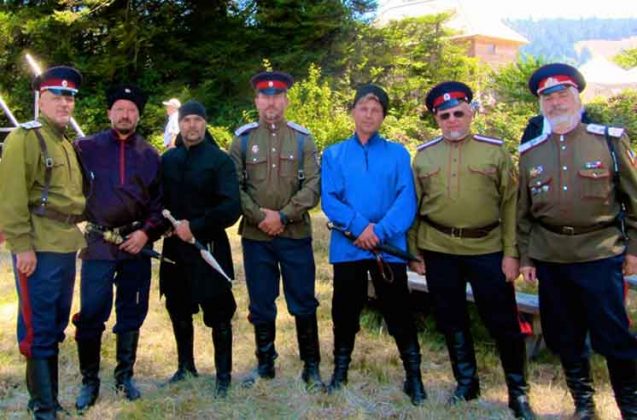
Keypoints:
pixel 255 149
pixel 631 156
pixel 596 164
pixel 537 171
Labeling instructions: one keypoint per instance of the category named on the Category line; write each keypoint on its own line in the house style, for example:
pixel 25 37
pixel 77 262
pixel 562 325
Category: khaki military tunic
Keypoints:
pixel 272 183
pixel 469 183
pixel 566 181
pixel 21 183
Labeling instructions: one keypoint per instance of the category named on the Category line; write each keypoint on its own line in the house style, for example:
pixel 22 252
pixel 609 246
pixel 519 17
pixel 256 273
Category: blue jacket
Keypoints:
pixel 362 184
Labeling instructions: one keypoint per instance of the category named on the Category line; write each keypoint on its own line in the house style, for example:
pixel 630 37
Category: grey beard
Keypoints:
pixel 563 123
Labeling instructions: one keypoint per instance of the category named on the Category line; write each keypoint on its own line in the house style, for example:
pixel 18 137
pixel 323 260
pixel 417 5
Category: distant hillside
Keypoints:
pixel 555 39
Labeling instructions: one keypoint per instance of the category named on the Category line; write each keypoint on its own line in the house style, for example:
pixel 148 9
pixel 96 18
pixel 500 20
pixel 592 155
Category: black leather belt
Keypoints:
pixel 119 230
pixel 480 232
pixel 576 230
pixel 49 213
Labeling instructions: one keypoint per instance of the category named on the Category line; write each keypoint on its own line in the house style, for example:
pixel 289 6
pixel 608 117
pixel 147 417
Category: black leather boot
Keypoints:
pixel 126 355
pixel 513 357
pixel 309 351
pixel 463 364
pixel 222 340
pixel 184 337
pixel 89 355
pixel 53 369
pixel 343 347
pixel 264 335
pixel 41 402
pixel 580 384
pixel 410 354
pixel 623 378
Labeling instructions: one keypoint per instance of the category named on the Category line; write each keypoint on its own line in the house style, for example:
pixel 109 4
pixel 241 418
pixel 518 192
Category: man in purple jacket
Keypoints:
pixel 123 210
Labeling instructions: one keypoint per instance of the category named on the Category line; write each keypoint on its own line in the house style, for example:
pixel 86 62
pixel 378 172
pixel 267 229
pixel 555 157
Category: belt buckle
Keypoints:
pixel 456 232
pixel 568 230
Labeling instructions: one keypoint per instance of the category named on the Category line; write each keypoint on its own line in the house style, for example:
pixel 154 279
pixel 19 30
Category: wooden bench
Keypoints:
pixel 528 305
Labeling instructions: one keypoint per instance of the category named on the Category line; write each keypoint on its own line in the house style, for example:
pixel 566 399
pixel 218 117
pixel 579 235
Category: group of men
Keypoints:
pixel 461 209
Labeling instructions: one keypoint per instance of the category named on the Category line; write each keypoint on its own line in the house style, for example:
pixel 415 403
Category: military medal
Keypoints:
pixel 255 149
pixel 597 164
pixel 631 156
pixel 537 171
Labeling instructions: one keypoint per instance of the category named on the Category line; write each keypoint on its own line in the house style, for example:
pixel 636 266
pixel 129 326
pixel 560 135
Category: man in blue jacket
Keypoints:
pixel 368 191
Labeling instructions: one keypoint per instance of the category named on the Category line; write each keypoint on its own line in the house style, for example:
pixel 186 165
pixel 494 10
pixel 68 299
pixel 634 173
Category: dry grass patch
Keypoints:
pixel 376 374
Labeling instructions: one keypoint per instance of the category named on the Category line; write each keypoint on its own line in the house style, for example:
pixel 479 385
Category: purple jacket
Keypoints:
pixel 125 186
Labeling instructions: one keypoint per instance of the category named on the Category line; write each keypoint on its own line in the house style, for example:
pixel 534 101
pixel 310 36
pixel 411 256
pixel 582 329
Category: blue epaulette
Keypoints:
pixel 601 129
pixel 245 128
pixel 490 140
pixel 429 143
pixel 29 125
pixel 524 147
pixel 299 128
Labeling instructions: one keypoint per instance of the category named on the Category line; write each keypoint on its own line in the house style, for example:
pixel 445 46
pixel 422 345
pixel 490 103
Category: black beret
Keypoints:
pixel 59 80
pixel 446 95
pixel 554 77
pixel 271 82
pixel 192 107
pixel 375 90
pixel 129 93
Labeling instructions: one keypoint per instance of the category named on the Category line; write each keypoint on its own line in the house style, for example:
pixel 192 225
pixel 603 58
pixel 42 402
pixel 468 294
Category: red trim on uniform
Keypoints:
pixel 57 84
pixel 558 79
pixel 122 161
pixel 276 84
pixel 630 321
pixel 448 96
pixel 25 308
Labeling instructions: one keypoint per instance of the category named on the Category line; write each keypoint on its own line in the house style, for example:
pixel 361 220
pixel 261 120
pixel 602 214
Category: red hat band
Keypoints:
pixel 447 97
pixel 559 79
pixel 276 84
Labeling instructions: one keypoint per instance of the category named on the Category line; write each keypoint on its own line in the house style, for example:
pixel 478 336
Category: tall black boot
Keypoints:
pixel 53 370
pixel 222 340
pixel 126 355
pixel 463 363
pixel 410 354
pixel 89 355
pixel 264 335
pixel 513 356
pixel 623 378
pixel 580 384
pixel 41 402
pixel 184 337
pixel 309 351
pixel 343 347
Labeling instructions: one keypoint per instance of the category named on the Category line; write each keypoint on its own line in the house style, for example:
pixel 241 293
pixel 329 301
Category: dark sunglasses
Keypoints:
pixel 456 114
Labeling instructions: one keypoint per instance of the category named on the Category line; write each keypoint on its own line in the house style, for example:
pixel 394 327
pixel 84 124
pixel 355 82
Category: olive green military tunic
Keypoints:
pixel 272 181
pixel 566 182
pixel 469 183
pixel 22 173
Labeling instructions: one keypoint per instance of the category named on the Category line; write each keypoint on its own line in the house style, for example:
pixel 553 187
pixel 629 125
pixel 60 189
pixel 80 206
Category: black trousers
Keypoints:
pixel 216 310
pixel 350 295
pixel 447 277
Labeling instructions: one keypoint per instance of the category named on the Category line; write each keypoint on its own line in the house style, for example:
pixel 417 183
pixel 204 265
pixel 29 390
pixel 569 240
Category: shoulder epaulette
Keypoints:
pixel 532 143
pixel 245 128
pixel 601 129
pixel 29 125
pixel 299 128
pixel 490 140
pixel 429 143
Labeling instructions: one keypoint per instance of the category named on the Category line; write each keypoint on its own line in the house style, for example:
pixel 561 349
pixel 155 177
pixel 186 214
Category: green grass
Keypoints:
pixel 375 379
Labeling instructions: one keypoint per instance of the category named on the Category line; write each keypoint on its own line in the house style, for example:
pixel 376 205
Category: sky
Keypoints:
pixel 546 9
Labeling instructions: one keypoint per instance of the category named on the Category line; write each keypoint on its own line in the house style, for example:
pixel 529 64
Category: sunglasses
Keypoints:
pixel 456 114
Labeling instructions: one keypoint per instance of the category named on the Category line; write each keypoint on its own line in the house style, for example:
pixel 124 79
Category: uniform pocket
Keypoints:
pixel 595 183
pixel 427 175
pixel 288 164
pixel 540 188
pixel 257 167
pixel 483 177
